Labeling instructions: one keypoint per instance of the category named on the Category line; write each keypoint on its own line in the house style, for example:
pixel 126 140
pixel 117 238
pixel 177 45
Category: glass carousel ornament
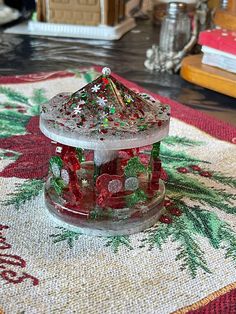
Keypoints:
pixel 104 178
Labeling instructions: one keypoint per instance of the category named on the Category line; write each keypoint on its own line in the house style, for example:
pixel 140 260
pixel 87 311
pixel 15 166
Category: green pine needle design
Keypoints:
pixel 221 204
pixel 228 238
pixel 184 229
pixel 190 254
pixel 117 241
pixel 39 96
pixel 70 236
pixel 12 123
pixel 88 74
pixel 13 95
pixel 184 186
pixel 219 177
pixel 157 236
pixel 38 99
pixel 66 235
pixel 25 192
pixel 202 222
pixel 32 105
pixel 174 159
pixel 180 141
pixel 209 225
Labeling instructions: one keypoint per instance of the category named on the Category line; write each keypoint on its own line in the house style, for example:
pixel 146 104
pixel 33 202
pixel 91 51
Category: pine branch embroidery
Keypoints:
pixel 117 241
pixel 183 141
pixel 13 95
pixel 66 235
pixel 25 192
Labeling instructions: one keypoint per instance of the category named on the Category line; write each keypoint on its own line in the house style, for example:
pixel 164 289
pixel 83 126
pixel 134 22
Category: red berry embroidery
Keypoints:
pixel 206 174
pixel 195 168
pixel 165 219
pixel 182 170
pixel 168 203
pixel 175 211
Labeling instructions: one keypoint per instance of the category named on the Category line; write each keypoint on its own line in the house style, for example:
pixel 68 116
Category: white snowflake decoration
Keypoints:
pixel 77 110
pixel 95 88
pixel 104 115
pixel 101 101
pixel 81 102
pixel 85 183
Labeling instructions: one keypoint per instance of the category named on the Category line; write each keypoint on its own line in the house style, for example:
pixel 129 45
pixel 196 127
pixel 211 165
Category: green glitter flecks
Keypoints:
pixel 98 214
pixel 84 96
pixel 80 154
pixel 24 192
pixel 134 167
pixel 155 150
pixel 105 123
pixel 55 160
pixel 142 127
pixel 112 110
pixel 58 185
pixel 137 197
pixel 73 106
pixel 66 235
pixel 116 242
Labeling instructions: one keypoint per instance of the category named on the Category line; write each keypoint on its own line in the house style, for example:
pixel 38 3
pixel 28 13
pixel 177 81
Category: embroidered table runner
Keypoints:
pixel 186 263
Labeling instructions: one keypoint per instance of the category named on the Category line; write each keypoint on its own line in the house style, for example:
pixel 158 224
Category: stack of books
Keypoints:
pixel 216 67
pixel 219 48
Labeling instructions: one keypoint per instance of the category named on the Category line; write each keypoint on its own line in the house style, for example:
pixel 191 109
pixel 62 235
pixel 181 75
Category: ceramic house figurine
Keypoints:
pixel 83 12
pixel 100 19
pixel 105 175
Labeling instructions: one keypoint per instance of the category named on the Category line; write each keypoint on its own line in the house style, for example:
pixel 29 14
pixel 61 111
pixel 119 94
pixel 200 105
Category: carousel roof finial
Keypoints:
pixel 106 71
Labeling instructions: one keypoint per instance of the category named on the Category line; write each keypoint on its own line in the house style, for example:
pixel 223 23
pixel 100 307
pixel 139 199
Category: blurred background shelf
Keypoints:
pixel 226 18
pixel 194 71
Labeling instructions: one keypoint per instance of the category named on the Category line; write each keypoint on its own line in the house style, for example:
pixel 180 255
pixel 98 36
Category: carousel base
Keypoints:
pixel 131 220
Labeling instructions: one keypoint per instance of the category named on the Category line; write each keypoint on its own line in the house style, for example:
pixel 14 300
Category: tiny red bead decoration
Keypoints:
pixel 182 170
pixel 165 219
pixel 175 211
pixel 105 81
pixel 195 168
pixel 168 203
pixel 205 174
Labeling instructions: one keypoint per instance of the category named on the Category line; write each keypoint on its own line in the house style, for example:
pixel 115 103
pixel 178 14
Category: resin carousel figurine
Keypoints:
pixel 105 175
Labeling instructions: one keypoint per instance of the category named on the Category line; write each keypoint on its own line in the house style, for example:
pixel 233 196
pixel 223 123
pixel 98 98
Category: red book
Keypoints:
pixel 219 39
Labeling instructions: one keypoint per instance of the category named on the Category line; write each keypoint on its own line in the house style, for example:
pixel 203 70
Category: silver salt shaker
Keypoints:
pixel 175 29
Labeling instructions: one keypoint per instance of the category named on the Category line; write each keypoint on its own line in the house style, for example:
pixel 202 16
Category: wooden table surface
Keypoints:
pixel 28 54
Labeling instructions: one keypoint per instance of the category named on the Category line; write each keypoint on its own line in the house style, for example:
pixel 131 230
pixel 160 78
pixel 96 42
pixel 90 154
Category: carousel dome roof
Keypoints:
pixel 105 115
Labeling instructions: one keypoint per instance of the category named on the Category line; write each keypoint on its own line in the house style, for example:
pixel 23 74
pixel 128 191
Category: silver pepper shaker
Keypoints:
pixel 175 29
